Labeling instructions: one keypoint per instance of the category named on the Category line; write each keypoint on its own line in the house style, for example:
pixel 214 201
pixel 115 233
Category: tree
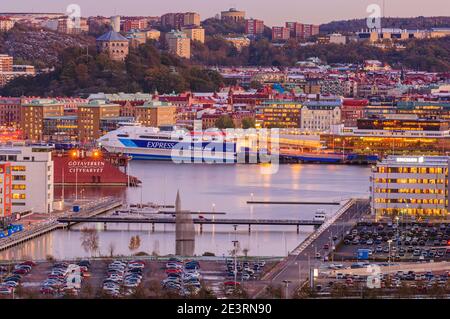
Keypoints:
pixel 90 240
pixel 135 243
pixel 273 292
pixel 304 292
pixel 248 122
pixel 112 248
pixel 224 122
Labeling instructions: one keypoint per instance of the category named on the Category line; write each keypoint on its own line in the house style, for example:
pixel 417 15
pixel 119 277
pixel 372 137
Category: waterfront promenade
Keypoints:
pixel 89 209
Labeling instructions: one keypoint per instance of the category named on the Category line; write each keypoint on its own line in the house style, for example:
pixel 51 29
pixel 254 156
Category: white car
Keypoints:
pixel 246 277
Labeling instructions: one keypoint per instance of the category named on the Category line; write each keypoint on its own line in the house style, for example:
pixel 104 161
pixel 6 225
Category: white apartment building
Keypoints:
pixel 320 116
pixel 32 176
pixel 414 186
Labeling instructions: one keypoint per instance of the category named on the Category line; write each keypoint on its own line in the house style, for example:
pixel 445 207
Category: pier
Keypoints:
pixel 89 210
pixel 201 221
pixel 291 203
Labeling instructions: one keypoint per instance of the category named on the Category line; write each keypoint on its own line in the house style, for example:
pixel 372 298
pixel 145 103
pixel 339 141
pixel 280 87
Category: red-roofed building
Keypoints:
pixel 352 110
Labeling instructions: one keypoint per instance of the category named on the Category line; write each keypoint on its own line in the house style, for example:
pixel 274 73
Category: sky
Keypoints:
pixel 273 12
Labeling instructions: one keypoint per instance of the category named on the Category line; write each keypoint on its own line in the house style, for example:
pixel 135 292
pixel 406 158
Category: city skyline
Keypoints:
pixel 309 12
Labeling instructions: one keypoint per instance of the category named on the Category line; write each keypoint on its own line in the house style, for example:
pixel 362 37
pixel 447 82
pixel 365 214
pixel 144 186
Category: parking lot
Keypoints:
pixel 137 278
pixel 382 279
pixel 396 242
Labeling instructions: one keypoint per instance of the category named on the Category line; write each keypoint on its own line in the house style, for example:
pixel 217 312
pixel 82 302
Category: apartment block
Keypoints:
pixel 254 27
pixel 90 116
pixel 280 34
pixel 31 177
pixel 195 33
pixel 179 44
pixel 32 117
pixel 156 113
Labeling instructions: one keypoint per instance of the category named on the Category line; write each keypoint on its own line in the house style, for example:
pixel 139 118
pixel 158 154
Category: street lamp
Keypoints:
pixel 299 273
pixel 389 258
pixel 286 283
pixel 235 245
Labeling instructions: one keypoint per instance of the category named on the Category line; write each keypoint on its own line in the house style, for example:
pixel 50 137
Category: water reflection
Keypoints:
pixel 228 187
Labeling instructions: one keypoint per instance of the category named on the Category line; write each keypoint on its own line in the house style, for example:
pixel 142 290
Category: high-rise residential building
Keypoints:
pixel 254 27
pixel 191 18
pixel 280 33
pixel 179 20
pixel 179 44
pixel 195 33
pixel 302 31
pixel 172 20
pixel 114 44
pixel 156 113
pixel 6 24
pixel 411 185
pixel 90 118
pixel 31 177
pixel 5 192
pixel 233 15
pixel 6 63
pixel 134 24
pixel 295 28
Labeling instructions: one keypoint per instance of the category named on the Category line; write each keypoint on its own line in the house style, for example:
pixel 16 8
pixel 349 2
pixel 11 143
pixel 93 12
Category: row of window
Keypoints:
pixel 409 191
pixel 411 211
pixel 412 170
pixel 433 201
pixel 409 180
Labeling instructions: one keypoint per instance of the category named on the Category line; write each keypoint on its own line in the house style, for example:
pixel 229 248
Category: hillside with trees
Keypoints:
pixel 145 70
pixel 428 55
pixel 355 25
pixel 39 47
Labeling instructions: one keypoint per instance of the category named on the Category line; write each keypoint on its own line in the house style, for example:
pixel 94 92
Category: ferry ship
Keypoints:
pixel 170 143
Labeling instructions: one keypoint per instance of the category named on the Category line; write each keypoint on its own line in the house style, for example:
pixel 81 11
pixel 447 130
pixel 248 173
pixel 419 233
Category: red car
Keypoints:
pixel 173 271
pixel 29 263
pixel 20 272
pixel 231 283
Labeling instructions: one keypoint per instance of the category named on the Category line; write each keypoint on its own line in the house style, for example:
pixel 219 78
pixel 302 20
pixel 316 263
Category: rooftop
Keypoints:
pixel 112 36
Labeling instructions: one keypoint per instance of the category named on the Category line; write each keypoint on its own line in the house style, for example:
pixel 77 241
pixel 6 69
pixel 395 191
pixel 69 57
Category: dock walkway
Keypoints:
pixel 88 210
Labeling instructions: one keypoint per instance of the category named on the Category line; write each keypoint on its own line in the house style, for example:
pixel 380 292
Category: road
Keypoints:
pixel 296 267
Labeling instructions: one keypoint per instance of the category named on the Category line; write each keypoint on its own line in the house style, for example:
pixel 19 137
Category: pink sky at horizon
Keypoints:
pixel 273 12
